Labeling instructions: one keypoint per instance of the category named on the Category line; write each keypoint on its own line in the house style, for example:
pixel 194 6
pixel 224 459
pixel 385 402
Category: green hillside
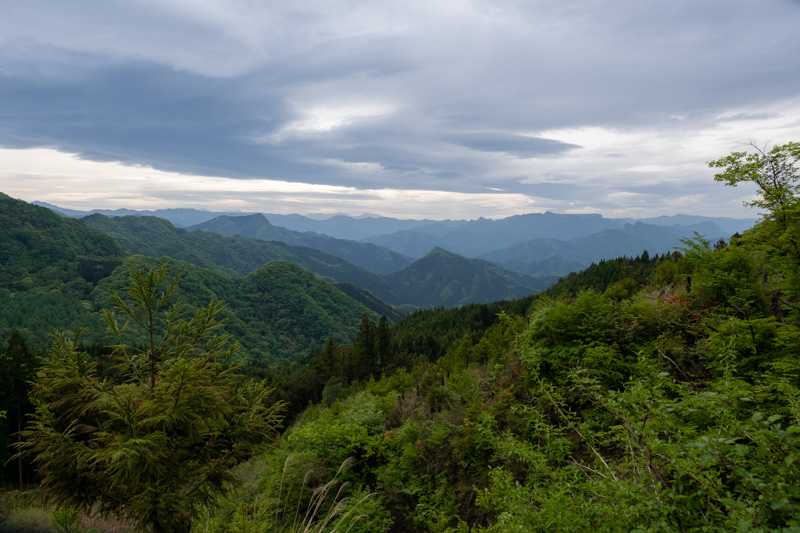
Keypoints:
pixel 48 267
pixel 439 279
pixel 233 255
pixel 645 394
pixel 56 272
pixel 297 308
pixel 653 393
pixel 445 279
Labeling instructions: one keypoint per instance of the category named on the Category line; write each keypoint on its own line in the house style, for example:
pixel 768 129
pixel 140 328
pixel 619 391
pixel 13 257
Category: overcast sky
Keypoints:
pixel 413 109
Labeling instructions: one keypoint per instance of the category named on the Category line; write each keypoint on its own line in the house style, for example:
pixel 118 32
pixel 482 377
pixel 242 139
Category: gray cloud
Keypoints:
pixel 459 99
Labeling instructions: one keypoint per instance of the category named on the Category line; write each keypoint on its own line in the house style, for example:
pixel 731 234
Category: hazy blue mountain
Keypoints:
pixel 477 237
pixel 728 225
pixel 178 217
pixel 411 243
pixel 630 240
pixel 633 239
pixel 345 227
pixel 413 238
pixel 368 256
pixel 442 278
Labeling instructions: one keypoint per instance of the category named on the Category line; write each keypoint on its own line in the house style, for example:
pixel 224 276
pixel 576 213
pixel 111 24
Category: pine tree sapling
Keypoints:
pixel 153 438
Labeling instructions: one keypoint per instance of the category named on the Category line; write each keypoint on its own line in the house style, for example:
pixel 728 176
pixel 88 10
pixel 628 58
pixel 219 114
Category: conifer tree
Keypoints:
pixel 153 438
pixel 384 342
pixel 327 359
pixel 17 364
pixel 364 348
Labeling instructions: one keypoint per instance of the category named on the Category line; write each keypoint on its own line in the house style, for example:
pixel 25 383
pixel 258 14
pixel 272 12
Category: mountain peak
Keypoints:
pixel 441 252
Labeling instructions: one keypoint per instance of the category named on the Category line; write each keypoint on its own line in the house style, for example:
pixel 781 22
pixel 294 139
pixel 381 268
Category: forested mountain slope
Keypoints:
pixel 440 279
pixel 447 279
pixel 55 272
pixel 48 268
pixel 233 255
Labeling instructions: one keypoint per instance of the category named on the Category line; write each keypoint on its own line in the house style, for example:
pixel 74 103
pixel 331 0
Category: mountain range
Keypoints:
pixel 55 271
pixel 538 244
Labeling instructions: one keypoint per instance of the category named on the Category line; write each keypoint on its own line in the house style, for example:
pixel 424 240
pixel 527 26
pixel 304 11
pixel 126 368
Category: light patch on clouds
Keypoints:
pixel 68 181
pixel 323 118
pixel 611 159
pixel 355 166
pixel 648 168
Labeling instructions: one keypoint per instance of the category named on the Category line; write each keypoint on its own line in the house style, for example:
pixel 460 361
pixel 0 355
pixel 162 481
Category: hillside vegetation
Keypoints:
pixel 653 393
pixel 647 394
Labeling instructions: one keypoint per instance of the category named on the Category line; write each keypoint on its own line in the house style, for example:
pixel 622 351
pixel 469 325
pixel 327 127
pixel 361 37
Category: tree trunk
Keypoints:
pixel 19 439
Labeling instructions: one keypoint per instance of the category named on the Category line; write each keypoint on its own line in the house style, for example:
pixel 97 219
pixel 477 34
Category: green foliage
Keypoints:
pixel 777 237
pixel 67 521
pixel 153 437
pixel 301 310
pixel 619 278
pixel 325 508
pixel 645 394
pixel 773 171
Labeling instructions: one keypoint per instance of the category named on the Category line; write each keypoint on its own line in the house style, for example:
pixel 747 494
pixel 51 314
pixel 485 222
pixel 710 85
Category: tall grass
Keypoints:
pixel 327 510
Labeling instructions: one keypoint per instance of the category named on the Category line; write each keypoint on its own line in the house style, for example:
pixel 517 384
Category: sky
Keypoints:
pixel 416 109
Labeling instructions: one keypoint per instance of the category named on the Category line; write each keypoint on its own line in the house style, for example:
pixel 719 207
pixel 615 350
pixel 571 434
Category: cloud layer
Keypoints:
pixel 509 107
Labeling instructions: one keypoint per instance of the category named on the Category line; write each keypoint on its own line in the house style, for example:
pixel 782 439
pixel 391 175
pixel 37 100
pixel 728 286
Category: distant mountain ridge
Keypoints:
pixel 482 237
pixel 180 217
pixel 371 257
pixel 450 281
pixel 630 240
pixel 367 227
pixel 536 244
